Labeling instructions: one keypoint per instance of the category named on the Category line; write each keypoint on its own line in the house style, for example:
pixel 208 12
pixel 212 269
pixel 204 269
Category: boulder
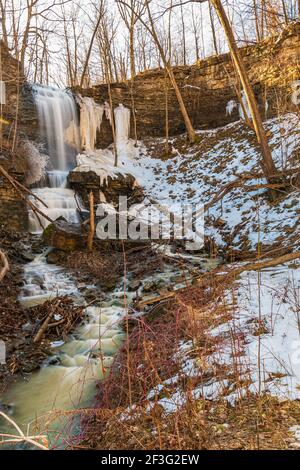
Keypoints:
pixel 65 236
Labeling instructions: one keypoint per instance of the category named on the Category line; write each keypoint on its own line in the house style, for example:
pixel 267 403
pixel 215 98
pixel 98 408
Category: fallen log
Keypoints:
pixel 258 265
pixel 205 280
pixel 241 179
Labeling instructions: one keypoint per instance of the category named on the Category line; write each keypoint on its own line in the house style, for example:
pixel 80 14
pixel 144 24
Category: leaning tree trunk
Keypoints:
pixel 187 121
pixel 267 163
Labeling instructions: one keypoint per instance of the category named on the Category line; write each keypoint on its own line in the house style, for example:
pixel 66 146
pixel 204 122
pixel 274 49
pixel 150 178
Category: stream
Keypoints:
pixel 67 380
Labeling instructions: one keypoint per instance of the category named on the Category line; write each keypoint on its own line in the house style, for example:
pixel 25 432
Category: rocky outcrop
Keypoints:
pixel 121 185
pixel 67 237
pixel 207 88
pixel 18 120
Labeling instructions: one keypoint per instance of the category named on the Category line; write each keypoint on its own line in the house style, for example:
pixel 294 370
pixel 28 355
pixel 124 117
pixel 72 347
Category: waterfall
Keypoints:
pixel 91 115
pixel 59 126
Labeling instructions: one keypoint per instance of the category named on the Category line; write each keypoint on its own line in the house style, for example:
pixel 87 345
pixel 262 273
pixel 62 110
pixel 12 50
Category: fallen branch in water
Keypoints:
pixel 21 437
pixel 5 265
pixel 46 323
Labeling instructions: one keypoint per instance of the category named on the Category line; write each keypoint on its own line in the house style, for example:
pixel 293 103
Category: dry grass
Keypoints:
pixel 126 418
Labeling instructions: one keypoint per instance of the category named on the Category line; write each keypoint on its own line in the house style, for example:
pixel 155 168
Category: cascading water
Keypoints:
pixel 68 379
pixel 59 127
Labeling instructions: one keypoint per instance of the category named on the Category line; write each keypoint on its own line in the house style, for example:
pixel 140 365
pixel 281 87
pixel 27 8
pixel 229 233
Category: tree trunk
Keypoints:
pixel 90 49
pixel 92 222
pixel 132 56
pixel 187 121
pixel 267 163
pixel 256 20
pixel 4 267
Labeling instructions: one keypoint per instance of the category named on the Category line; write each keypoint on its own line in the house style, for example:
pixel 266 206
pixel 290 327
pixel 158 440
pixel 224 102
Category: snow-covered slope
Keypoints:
pixel 195 174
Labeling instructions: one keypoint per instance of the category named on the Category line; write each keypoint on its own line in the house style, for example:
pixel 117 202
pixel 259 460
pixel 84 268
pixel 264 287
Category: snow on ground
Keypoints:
pixel 223 154
pixel 266 320
pixel 264 355
pixel 194 174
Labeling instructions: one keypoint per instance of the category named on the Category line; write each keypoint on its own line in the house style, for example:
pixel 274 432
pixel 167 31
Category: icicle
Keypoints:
pixel 266 106
pixel 2 93
pixel 122 119
pixel 231 106
pixel 91 115
pixel 245 103
pixel 107 111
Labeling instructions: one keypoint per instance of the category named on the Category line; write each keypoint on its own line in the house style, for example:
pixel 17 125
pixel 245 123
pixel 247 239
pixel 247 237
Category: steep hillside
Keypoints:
pixel 219 173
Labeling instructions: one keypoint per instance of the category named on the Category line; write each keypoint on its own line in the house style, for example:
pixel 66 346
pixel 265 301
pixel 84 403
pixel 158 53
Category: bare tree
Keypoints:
pixel 152 30
pixel 130 14
pixel 101 11
pixel 105 35
pixel 267 162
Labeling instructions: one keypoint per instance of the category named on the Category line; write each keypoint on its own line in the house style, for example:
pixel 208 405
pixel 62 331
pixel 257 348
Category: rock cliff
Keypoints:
pixel 207 88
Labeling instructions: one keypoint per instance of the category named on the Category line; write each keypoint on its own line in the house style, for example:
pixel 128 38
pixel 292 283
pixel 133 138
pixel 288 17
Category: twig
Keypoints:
pixel 12 181
pixel 14 439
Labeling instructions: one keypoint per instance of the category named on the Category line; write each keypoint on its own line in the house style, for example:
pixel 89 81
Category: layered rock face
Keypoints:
pixel 207 88
pixel 13 212
pixel 18 119
pixel 11 83
pixel 111 188
pixel 19 106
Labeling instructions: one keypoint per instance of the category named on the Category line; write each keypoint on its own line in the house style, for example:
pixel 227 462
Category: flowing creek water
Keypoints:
pixel 67 380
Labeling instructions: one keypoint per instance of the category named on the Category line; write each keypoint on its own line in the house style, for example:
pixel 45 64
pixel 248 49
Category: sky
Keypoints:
pixel 48 28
